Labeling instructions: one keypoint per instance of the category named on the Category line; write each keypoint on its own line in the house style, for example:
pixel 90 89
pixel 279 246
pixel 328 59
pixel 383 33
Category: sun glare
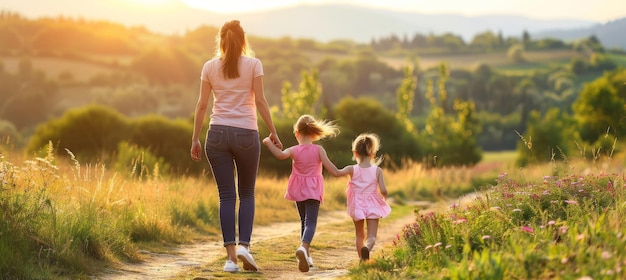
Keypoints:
pixel 150 2
pixel 237 6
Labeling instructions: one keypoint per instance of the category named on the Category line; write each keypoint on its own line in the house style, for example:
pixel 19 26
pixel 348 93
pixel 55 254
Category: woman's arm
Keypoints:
pixel 264 110
pixel 277 152
pixel 381 182
pixel 201 108
pixel 330 166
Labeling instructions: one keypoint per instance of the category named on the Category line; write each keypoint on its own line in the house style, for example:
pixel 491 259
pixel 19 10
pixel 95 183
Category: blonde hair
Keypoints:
pixel 307 125
pixel 367 145
pixel 231 44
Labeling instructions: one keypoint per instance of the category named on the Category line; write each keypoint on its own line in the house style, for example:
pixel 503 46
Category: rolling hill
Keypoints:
pixel 319 22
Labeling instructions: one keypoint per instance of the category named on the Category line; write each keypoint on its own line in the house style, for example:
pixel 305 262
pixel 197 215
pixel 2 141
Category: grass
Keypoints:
pixel 62 218
pixel 561 220
pixel 84 216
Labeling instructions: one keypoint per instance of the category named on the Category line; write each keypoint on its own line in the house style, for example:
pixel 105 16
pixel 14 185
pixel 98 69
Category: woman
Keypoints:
pixel 232 141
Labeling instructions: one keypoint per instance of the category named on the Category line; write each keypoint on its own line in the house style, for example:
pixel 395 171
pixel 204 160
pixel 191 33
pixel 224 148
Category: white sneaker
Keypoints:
pixel 303 259
pixel 248 262
pixel 230 266
pixel 310 261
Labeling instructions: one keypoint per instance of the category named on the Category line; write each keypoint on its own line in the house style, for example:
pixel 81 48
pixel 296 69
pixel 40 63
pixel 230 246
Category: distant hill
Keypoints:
pixel 319 22
pixel 611 34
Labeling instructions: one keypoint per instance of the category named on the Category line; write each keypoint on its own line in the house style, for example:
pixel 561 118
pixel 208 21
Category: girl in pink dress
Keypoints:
pixel 365 203
pixel 306 183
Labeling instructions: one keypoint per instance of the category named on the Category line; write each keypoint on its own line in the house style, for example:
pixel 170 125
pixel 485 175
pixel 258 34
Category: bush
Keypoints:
pixel 92 133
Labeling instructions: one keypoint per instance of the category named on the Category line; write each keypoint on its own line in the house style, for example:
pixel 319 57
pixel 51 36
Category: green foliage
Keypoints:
pixel 296 104
pixel 548 137
pixel 600 106
pixel 405 98
pixel 167 139
pixel 449 139
pixel 356 116
pixel 92 132
pixel 516 53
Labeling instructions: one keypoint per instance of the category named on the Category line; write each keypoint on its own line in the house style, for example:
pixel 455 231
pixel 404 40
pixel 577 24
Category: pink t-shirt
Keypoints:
pixel 233 99
pixel 306 180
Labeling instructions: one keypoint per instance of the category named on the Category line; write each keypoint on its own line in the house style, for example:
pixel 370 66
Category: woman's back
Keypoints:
pixel 234 103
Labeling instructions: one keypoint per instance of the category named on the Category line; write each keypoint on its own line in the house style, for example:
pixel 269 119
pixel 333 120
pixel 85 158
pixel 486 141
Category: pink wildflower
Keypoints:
pixel 550 223
pixel 528 229
pixel 571 201
pixel 459 221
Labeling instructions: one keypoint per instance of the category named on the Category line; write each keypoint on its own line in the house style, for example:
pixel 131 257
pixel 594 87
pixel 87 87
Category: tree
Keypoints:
pixel 600 106
pixel 548 137
pixel 303 101
pixel 356 116
pixel 449 138
pixel 516 53
pixel 406 95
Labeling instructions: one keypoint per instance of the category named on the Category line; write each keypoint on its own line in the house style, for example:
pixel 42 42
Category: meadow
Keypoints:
pixel 71 217
pixel 563 219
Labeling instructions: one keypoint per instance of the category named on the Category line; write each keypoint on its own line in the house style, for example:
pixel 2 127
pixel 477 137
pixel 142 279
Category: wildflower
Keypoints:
pixel 486 237
pixel 459 221
pixel 605 255
pixel 528 229
pixel 551 223
pixel 580 237
pixel 517 210
pixel 428 247
pixel 571 201
pixel 437 244
pixel 563 229
pixel 448 246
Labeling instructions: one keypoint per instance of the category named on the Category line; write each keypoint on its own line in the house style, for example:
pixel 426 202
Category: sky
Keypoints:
pixel 594 10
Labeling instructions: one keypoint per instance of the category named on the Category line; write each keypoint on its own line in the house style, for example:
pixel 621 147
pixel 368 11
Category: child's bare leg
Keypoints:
pixel 359 230
pixel 372 231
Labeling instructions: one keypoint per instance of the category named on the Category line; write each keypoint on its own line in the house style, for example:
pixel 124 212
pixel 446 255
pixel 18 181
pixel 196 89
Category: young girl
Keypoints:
pixel 306 184
pixel 365 204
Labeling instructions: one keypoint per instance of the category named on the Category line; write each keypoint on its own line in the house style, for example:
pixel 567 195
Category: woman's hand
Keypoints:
pixel 196 150
pixel 276 140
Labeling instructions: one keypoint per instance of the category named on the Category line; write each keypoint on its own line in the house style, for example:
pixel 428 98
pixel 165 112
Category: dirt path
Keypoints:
pixel 190 261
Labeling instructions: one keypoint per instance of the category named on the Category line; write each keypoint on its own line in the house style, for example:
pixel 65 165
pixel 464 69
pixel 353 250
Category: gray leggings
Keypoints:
pixel 308 210
pixel 228 148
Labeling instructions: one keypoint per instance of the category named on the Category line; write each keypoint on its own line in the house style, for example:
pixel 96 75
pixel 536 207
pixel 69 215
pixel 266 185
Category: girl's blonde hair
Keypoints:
pixel 307 125
pixel 367 145
pixel 231 44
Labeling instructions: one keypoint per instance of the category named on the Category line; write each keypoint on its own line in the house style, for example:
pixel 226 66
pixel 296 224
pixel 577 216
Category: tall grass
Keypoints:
pixel 63 218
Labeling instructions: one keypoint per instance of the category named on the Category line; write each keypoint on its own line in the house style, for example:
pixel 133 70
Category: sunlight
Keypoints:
pixel 150 5
pixel 150 2
pixel 239 5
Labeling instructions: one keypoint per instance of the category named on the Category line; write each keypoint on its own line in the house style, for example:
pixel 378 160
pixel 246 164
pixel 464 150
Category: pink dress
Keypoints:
pixel 305 181
pixel 364 200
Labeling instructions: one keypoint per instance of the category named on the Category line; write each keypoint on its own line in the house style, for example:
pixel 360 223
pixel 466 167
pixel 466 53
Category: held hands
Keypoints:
pixel 274 140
